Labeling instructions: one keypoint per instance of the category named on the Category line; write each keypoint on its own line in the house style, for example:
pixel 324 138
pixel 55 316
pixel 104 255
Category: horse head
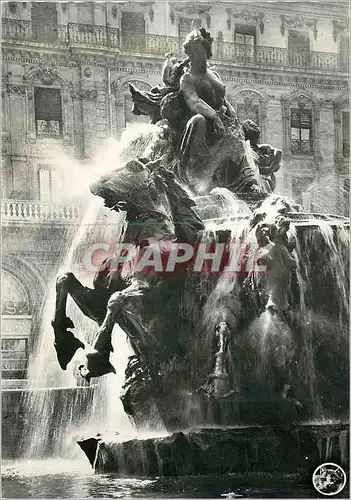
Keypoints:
pixel 156 205
pixel 137 191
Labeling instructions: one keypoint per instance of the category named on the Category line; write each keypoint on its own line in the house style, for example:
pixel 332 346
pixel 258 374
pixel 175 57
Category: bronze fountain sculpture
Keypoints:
pixel 196 337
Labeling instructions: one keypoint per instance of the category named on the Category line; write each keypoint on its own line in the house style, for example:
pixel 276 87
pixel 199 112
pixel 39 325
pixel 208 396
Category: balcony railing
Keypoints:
pixel 39 212
pixel 157 45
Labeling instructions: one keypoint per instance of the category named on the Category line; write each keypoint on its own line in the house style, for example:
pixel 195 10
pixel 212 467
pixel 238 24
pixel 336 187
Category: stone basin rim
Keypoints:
pixel 337 426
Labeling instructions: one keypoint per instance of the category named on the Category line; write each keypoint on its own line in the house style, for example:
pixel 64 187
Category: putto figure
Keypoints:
pixel 267 158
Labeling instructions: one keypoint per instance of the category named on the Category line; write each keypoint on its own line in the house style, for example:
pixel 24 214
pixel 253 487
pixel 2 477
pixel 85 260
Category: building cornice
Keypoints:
pixel 292 77
pixel 316 9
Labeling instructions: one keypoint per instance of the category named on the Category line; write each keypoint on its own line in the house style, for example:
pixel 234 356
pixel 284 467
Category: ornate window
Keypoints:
pixel 48 112
pixel 301 130
pixel 245 35
pixel 346 134
pixel 44 21
pixel 245 42
pixel 301 116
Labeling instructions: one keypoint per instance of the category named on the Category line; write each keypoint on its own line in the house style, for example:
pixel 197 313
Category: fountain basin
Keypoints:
pixel 281 449
pixel 58 409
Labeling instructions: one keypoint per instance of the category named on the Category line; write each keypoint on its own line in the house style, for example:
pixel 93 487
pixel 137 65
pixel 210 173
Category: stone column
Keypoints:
pixel 287 181
pixel 30 112
pixel 274 136
pixel 338 157
pixel 119 106
pixel 102 115
pixel 78 136
pixel 316 135
pixel 67 116
pixel 88 97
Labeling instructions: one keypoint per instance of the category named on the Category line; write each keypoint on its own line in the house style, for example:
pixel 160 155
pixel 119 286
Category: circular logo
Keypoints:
pixel 329 479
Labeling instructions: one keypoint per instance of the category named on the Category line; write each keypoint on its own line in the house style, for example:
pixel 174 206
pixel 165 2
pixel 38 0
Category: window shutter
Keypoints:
pixel 48 104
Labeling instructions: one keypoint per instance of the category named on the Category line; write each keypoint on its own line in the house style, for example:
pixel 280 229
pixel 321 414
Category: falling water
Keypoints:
pixel 53 398
pixel 269 339
pixel 57 410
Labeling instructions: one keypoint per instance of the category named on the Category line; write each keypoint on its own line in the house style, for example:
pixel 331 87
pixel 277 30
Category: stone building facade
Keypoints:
pixel 65 70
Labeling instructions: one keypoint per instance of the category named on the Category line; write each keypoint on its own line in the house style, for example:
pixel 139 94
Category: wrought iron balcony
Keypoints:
pixel 107 37
pixel 24 211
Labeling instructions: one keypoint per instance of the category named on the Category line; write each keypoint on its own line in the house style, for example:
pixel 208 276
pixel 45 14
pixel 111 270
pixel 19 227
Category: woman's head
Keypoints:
pixel 198 40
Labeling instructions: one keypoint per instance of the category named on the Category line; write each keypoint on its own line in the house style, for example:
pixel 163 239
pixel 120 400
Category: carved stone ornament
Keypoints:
pixel 46 73
pixel 136 6
pixel 249 17
pixel 248 96
pixel 172 16
pixel 87 72
pixel 12 7
pixel 191 9
pixel 151 14
pixel 298 22
pixel 15 89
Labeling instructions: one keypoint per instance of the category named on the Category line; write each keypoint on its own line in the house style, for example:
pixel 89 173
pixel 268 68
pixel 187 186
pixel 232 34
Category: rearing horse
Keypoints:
pixel 157 209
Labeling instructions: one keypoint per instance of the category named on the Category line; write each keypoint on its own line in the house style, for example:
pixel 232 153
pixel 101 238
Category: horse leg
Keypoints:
pixel 98 362
pixel 92 303
pixel 60 320
pixel 66 344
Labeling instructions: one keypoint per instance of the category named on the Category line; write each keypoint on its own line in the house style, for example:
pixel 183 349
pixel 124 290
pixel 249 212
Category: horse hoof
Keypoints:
pixel 66 349
pixel 98 364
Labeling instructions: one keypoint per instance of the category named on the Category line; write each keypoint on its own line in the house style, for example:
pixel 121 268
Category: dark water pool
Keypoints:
pixel 54 478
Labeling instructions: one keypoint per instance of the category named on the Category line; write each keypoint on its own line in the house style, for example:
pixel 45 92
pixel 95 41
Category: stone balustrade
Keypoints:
pixel 157 45
pixel 16 29
pixel 39 212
